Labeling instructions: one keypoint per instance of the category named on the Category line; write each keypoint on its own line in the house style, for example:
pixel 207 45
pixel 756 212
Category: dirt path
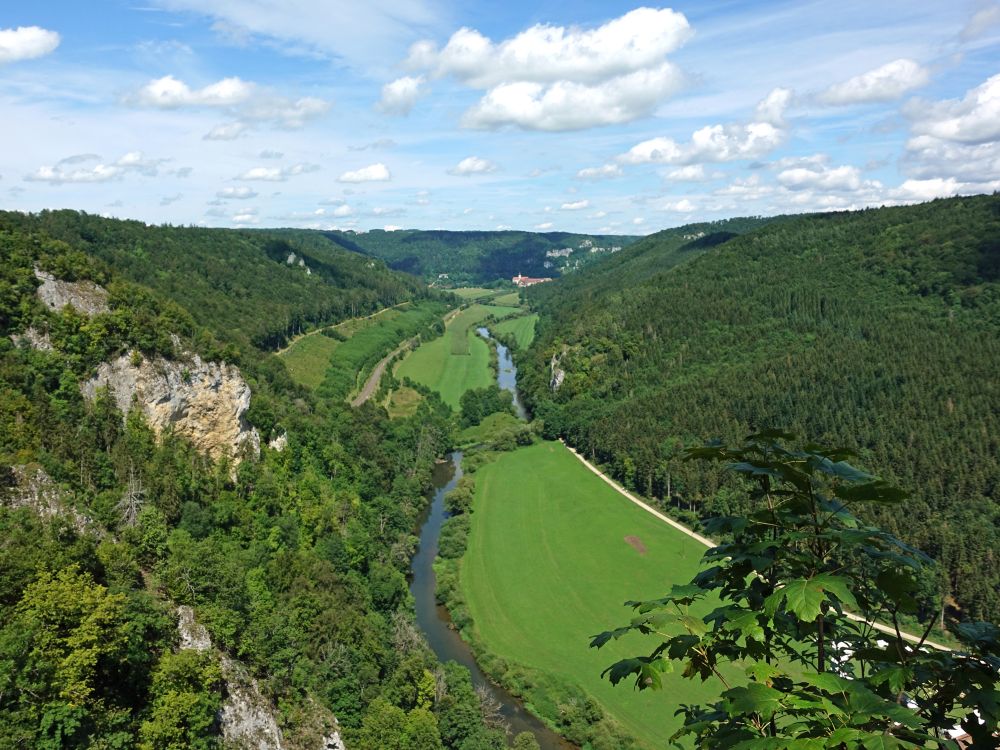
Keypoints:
pixel 709 543
pixel 371 384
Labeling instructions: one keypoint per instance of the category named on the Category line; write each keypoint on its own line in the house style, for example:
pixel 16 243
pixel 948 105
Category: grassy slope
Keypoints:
pixel 308 358
pixel 435 365
pixel 523 329
pixel 547 566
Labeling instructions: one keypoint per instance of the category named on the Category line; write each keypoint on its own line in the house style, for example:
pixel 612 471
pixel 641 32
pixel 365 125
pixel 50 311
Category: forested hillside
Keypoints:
pixel 481 257
pixel 877 330
pixel 296 562
pixel 249 287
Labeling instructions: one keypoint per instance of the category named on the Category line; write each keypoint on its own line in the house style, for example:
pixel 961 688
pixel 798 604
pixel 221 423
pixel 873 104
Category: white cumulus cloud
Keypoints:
pixel 471 165
pixel 821 177
pixel 399 96
pixel 372 173
pixel 575 205
pixel 26 43
pixel 603 172
pixel 226 132
pixel 90 168
pixel 277 174
pixel 236 193
pixel 246 101
pixel 882 84
pixel 957 140
pixel 563 78
pixel 719 143
pixel 170 93
pixel 569 105
pixel 973 119
pixel 683 206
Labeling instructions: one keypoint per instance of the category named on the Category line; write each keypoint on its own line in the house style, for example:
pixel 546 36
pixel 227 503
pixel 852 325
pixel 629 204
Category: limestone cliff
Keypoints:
pixel 29 486
pixel 85 296
pixel 247 719
pixel 206 402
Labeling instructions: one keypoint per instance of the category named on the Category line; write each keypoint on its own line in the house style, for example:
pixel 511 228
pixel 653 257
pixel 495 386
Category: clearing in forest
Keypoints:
pixel 457 361
pixel 549 564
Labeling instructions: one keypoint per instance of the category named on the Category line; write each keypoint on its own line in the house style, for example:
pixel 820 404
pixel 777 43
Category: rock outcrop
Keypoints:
pixel 84 296
pixel 246 718
pixel 556 373
pixel 31 487
pixel 206 402
pixel 34 338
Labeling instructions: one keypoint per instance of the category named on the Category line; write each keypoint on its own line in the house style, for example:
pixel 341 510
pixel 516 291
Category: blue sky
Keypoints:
pixel 589 116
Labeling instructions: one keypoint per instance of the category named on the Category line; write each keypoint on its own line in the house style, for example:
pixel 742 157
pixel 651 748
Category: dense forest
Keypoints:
pixel 296 562
pixel 474 258
pixel 252 287
pixel 877 330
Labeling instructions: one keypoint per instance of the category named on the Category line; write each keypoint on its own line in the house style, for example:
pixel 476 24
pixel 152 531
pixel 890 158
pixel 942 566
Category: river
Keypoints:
pixel 506 373
pixel 432 618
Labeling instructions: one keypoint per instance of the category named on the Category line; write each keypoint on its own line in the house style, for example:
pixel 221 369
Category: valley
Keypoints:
pixel 389 456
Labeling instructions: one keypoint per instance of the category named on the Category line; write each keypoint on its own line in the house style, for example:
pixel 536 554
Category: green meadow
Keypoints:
pixel 553 552
pixel 522 328
pixel 511 298
pixel 308 358
pixel 354 358
pixel 457 361
pixel 473 292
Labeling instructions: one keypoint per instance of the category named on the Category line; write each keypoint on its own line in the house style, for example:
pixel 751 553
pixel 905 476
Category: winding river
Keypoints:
pixel 432 618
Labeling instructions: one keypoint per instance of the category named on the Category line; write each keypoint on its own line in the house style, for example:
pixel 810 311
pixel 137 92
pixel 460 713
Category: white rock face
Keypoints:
pixel 85 296
pixel 557 374
pixel 206 402
pixel 34 338
pixel 246 717
pixel 33 488
pixel 279 443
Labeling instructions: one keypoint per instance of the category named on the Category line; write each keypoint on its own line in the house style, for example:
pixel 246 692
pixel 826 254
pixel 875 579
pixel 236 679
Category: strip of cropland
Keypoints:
pixel 457 361
pixel 552 554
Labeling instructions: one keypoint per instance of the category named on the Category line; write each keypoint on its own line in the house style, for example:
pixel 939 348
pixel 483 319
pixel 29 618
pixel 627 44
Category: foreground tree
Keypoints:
pixel 782 617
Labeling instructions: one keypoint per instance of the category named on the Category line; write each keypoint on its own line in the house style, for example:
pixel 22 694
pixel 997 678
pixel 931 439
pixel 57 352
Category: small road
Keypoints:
pixel 709 543
pixel 371 385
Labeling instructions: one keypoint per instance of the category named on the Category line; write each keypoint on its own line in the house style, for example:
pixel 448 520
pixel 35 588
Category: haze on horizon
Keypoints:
pixel 598 117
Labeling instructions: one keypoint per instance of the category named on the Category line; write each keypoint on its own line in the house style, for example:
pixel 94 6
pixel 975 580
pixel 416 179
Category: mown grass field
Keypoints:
pixel 353 358
pixel 522 328
pixel 308 358
pixel 512 298
pixel 457 361
pixel 473 292
pixel 548 565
